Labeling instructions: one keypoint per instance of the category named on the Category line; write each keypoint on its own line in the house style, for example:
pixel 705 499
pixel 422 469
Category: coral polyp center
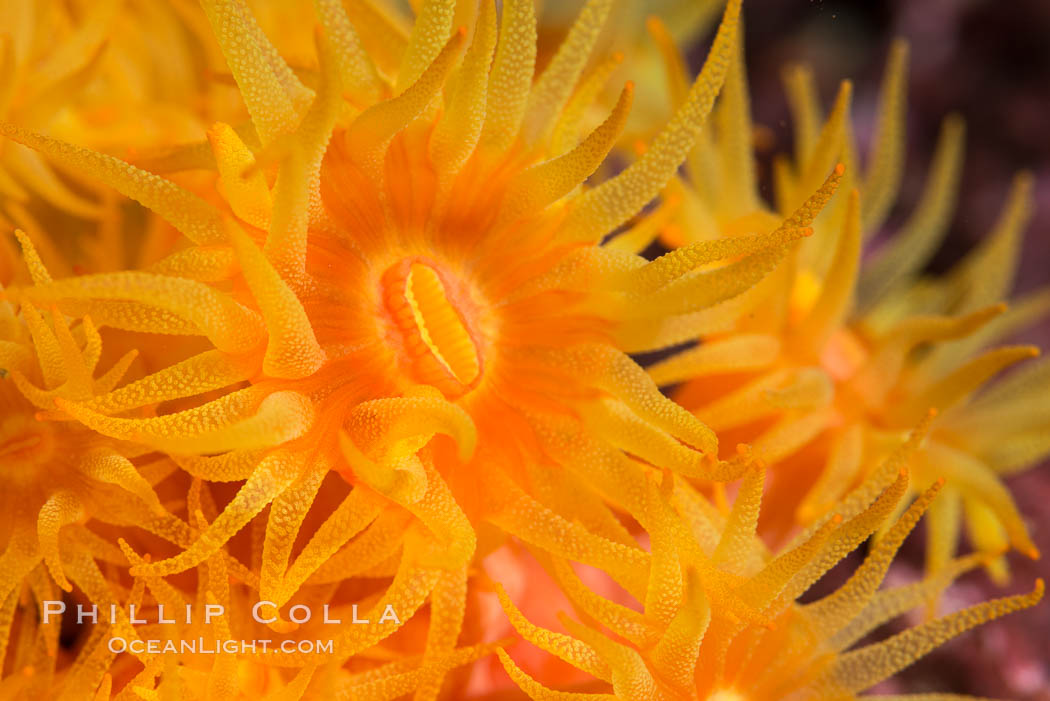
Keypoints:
pixel 432 325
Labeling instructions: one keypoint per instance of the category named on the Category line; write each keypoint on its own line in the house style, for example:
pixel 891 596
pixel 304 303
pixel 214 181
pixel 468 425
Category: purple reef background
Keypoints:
pixel 989 61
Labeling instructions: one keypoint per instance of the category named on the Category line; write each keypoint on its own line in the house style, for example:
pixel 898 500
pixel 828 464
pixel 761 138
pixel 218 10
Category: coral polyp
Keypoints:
pixel 57 475
pixel 826 365
pixel 724 629
pixel 395 338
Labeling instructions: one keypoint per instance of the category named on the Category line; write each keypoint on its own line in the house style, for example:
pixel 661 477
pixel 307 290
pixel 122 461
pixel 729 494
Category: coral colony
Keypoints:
pixel 349 401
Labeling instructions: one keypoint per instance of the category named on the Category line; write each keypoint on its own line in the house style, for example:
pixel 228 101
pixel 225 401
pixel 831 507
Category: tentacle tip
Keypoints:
pixel 990 556
pixel 653 23
pixel 939 482
pixel 562 618
pixel 806 513
pixel 1033 596
pixel 1032 553
pixel 466 451
pixel 840 168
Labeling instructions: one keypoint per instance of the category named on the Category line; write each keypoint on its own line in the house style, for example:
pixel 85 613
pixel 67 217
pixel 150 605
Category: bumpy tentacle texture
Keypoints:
pixel 60 481
pixel 825 364
pixel 721 621
pixel 394 322
pixel 62 70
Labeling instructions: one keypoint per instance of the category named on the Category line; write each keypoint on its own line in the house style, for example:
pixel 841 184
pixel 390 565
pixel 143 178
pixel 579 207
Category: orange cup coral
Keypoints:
pixel 825 365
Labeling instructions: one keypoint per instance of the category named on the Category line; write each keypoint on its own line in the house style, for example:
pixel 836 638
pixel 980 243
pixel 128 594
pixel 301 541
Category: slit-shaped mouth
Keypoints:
pixel 434 329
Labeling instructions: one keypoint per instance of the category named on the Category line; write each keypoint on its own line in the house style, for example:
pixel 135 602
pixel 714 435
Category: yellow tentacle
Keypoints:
pixel 192 216
pixel 268 481
pixel 555 84
pixel 459 129
pixel 542 185
pixel 370 134
pixel 61 509
pixel 511 77
pixel 292 350
pixel 271 92
pixel 229 325
pixel 860 669
pixel 197 374
pixel 242 182
pixel 218 426
pixel 430 31
pixel 604 208
pixel 883 176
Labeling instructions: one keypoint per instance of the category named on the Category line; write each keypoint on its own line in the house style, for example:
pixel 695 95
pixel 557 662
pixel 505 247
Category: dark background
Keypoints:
pixel 988 60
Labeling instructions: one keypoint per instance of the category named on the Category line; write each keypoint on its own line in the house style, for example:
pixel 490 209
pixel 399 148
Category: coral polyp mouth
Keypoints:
pixel 434 325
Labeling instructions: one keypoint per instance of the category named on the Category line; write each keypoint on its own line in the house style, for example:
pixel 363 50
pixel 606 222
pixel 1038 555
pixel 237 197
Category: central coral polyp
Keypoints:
pixel 433 317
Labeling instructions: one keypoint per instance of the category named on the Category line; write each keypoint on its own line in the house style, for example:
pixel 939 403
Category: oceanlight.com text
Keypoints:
pixel 204 646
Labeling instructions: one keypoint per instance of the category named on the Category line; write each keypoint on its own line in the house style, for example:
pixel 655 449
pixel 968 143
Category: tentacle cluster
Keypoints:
pixel 721 622
pixel 827 363
pixel 58 476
